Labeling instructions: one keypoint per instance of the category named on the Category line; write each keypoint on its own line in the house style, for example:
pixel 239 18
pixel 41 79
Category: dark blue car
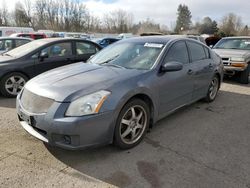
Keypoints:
pixel 104 42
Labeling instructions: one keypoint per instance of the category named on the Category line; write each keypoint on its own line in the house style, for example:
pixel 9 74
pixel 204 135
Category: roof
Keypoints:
pixel 61 39
pixel 164 39
pixel 20 38
pixel 237 37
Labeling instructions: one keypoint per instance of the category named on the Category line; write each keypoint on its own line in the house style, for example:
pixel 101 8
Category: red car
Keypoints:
pixel 34 36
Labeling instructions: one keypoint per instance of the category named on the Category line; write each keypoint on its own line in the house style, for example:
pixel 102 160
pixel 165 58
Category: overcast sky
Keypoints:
pixel 164 11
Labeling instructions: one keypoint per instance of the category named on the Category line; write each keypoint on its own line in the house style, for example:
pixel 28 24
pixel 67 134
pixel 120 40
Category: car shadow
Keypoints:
pixel 232 80
pixel 7 102
pixel 170 139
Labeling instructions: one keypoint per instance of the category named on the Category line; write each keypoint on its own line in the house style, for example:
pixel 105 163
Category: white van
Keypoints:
pixel 7 31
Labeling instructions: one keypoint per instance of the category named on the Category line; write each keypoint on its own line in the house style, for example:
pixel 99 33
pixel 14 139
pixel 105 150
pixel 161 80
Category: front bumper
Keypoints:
pixel 67 132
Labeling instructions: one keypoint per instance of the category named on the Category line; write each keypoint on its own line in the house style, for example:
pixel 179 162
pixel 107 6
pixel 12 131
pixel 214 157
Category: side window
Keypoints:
pixel 85 48
pixel 2 45
pixel 58 50
pixel 21 42
pixel 38 37
pixel 197 51
pixel 25 36
pixel 207 52
pixel 6 45
pixel 178 52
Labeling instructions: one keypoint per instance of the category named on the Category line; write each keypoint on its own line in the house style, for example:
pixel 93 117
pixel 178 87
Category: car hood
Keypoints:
pixel 231 52
pixel 67 83
pixel 5 58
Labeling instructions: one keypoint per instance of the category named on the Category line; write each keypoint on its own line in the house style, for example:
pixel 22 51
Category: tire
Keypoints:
pixel 244 76
pixel 11 84
pixel 213 89
pixel 132 124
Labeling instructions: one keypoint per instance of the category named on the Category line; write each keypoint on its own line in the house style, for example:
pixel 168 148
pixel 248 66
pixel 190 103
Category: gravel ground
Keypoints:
pixel 202 145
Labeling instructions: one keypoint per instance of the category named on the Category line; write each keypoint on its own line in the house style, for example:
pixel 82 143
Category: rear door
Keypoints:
pixel 20 42
pixel 202 67
pixel 59 54
pixel 175 88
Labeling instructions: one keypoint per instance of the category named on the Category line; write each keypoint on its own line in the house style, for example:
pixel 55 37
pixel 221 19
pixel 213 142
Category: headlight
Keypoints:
pixel 237 59
pixel 88 104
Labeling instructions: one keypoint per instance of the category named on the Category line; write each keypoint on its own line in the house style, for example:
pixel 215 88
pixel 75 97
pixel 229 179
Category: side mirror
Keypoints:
pixel 171 66
pixel 43 55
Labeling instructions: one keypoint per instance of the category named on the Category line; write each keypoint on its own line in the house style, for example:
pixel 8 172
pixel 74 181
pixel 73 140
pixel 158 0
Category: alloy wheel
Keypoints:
pixel 133 124
pixel 14 84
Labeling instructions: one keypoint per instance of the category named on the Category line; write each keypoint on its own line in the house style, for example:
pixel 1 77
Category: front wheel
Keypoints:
pixel 244 76
pixel 213 89
pixel 132 123
pixel 12 84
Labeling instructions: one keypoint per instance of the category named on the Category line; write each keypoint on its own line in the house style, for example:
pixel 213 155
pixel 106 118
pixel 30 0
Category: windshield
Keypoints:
pixel 129 55
pixel 233 43
pixel 26 48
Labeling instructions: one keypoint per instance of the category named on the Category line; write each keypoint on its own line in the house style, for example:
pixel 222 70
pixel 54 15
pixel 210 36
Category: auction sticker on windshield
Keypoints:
pixel 153 45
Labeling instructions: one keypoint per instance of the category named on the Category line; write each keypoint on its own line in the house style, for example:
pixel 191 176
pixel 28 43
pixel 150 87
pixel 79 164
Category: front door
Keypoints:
pixel 175 88
pixel 57 55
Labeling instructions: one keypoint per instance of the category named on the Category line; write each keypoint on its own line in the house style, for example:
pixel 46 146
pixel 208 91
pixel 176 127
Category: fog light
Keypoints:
pixel 67 139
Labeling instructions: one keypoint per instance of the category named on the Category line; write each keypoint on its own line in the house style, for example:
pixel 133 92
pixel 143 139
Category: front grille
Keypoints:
pixel 225 59
pixel 34 103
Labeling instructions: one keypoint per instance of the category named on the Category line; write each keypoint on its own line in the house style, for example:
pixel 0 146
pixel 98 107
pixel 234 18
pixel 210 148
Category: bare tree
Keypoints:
pixel 231 24
pixel 21 18
pixel 4 15
pixel 118 21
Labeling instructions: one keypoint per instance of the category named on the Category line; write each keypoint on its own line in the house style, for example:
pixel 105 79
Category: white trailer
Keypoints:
pixel 7 31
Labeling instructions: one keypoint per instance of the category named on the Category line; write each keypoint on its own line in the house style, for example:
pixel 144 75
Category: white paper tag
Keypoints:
pixel 153 45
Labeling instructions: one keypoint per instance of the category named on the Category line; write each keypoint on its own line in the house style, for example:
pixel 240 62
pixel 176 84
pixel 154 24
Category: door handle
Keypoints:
pixel 190 71
pixel 210 65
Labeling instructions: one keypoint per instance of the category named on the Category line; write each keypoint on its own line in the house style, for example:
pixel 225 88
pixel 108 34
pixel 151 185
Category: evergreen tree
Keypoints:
pixel 183 21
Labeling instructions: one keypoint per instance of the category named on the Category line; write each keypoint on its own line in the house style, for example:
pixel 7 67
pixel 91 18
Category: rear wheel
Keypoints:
pixel 12 84
pixel 244 76
pixel 132 123
pixel 213 89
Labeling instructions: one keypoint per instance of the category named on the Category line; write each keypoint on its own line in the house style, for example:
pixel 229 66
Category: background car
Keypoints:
pixel 29 60
pixel 104 42
pixel 34 36
pixel 235 54
pixel 119 93
pixel 9 43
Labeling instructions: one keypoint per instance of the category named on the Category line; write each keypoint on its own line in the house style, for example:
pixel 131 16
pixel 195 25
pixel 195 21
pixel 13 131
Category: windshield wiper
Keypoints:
pixel 114 65
pixel 7 54
pixel 110 59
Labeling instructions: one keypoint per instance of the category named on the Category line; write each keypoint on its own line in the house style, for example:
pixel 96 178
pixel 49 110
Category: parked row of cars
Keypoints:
pixel 118 94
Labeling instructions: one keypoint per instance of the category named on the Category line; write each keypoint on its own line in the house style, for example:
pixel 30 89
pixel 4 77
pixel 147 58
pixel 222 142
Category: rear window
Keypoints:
pixel 38 37
pixel 207 52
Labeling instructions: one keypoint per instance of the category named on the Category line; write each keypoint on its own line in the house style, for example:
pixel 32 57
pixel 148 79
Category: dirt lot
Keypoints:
pixel 202 145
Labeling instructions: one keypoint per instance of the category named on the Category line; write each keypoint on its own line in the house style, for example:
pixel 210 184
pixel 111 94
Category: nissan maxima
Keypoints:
pixel 119 93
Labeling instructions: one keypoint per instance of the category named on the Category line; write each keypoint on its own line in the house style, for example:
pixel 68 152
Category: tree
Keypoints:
pixel 244 31
pixel 208 26
pixel 21 17
pixel 231 24
pixel 4 15
pixel 118 21
pixel 183 21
